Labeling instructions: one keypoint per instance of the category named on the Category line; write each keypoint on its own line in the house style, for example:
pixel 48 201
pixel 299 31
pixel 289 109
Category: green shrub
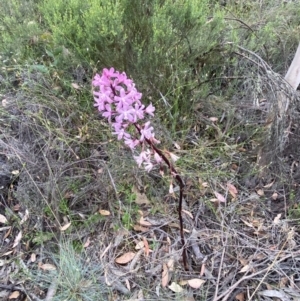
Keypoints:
pixel 19 26
pixel 166 46
pixel 91 28
pixel 268 28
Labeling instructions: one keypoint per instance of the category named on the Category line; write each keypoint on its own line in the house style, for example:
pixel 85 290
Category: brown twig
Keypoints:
pixel 220 270
pixel 224 296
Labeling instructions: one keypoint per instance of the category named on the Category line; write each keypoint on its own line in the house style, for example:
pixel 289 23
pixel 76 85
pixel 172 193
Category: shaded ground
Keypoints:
pixel 73 202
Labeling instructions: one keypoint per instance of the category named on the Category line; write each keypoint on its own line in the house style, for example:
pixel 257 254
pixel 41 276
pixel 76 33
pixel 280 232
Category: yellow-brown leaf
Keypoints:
pixel 125 258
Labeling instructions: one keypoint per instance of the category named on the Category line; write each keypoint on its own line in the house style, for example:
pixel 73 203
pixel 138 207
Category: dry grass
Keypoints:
pixel 70 167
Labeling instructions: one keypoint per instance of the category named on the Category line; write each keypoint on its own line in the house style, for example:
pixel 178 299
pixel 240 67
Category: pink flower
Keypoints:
pixel 100 99
pixel 108 113
pixel 121 134
pixel 150 109
pixel 100 80
pixel 118 100
pixel 138 112
pixel 144 156
pixel 131 143
pixel 148 166
pixel 157 158
pixel 123 101
pixel 146 132
pixel 127 115
pixel 110 73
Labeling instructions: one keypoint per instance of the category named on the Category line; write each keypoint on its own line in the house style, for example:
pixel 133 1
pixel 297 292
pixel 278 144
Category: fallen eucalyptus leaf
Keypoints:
pixel 142 222
pixel 125 258
pixel 165 276
pixel 245 268
pixel 14 295
pixel 195 283
pixel 104 212
pixel 48 267
pixel 139 245
pixel 276 294
pixel 65 227
pixel 176 288
pixel 220 197
pixel 141 198
pixel 3 219
pixel 17 239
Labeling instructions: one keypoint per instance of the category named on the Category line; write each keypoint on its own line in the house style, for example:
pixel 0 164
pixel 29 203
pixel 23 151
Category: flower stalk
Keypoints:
pixel 120 103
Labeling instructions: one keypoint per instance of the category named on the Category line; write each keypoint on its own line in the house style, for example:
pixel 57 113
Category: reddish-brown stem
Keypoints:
pixel 181 191
pixel 178 180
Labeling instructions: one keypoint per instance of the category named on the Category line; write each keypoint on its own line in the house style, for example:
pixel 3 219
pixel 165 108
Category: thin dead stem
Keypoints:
pixel 224 296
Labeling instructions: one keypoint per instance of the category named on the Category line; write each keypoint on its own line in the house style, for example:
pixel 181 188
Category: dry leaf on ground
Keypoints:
pixel 177 146
pixel 202 271
pixel 276 294
pixel 3 219
pixel 243 261
pixel 75 86
pixel 147 250
pixel 65 227
pixel 245 268
pixel 165 276
pixel 33 257
pixel 220 197
pixel 140 228
pixel 170 264
pixel 142 222
pixel 141 198
pixel 240 297
pixel 25 217
pixel 183 282
pixel 232 190
pixel 125 258
pixel 260 192
pixel 48 267
pixel 269 185
pixel 188 213
pixel 8 232
pixel 128 284
pixel 17 239
pixel 277 219
pixel 139 245
pixel 14 295
pixel 195 283
pixel 283 282
pixel 87 243
pixel 213 119
pixel 4 102
pixel 176 288
pixel 104 212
